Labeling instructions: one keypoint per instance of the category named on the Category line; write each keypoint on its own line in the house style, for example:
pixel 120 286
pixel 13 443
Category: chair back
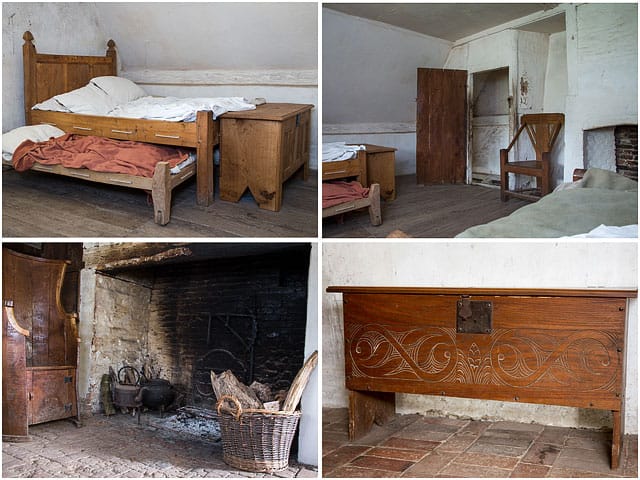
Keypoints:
pixel 543 130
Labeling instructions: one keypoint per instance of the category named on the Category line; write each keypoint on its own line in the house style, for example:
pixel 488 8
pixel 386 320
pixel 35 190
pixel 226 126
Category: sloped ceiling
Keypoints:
pixel 451 21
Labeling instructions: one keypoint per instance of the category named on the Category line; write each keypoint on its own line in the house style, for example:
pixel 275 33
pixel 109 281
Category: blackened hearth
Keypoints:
pixel 245 313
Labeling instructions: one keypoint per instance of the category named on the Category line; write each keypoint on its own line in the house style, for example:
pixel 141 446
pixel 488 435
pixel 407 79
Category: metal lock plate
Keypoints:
pixel 473 316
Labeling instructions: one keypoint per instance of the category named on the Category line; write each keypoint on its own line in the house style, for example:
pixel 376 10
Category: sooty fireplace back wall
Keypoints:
pixel 246 314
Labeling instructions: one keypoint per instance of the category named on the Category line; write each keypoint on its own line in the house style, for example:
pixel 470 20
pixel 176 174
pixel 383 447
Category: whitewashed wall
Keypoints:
pixel 602 71
pixel 58 28
pixel 369 78
pixel 478 264
pixel 267 50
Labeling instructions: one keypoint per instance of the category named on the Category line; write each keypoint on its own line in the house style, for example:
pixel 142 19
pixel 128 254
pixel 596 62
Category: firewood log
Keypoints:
pixel 227 384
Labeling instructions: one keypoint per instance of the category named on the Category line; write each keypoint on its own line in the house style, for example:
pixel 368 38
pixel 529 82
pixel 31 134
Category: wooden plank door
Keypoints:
pixel 441 126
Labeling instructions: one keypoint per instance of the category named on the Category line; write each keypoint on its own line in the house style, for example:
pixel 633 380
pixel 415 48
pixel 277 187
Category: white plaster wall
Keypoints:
pixel 369 82
pixel 478 264
pixel 486 53
pixel 602 70
pixel 310 403
pixel 113 329
pixel 213 35
pixel 555 81
pixel 56 27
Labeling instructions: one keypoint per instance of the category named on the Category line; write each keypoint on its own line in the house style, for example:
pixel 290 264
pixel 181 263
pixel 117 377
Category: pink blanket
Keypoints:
pixel 335 193
pixel 97 154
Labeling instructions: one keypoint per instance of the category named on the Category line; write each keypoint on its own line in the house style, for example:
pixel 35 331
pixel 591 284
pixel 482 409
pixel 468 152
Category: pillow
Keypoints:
pixel 121 90
pixel 35 133
pixel 88 100
pixel 50 105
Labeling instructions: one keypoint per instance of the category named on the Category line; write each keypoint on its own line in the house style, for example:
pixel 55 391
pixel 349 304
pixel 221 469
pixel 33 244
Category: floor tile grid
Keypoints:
pixel 432 447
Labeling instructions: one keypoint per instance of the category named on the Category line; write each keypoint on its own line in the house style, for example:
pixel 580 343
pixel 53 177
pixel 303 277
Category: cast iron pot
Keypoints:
pixel 156 393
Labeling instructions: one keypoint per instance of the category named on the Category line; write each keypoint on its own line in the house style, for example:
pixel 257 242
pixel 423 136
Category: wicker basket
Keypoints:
pixel 256 440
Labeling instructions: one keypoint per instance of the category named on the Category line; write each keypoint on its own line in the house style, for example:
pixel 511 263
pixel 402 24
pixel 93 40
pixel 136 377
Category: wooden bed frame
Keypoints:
pixel 46 75
pixel 356 167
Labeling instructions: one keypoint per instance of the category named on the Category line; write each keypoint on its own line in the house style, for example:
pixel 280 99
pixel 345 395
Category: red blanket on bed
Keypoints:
pixel 335 193
pixel 97 154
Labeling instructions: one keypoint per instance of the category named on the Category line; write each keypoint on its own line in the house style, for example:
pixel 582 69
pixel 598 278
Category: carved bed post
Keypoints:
pixel 29 68
pixel 111 52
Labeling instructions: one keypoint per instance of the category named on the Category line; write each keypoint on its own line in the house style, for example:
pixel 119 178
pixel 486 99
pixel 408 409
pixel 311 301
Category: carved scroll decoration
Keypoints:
pixel 585 360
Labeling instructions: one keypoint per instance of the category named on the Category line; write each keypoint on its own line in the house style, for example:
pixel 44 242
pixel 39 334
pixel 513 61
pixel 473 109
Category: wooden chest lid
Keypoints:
pixel 528 292
pixel 270 111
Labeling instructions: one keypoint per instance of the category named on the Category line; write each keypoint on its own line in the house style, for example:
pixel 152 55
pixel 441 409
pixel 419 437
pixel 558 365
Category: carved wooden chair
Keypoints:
pixel 543 130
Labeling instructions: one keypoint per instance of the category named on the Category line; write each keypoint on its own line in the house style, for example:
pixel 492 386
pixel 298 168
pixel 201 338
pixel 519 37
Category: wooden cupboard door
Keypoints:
pixel 52 394
pixel 441 126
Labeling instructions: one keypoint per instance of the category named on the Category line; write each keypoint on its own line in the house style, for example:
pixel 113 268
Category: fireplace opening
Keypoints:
pixel 197 309
pixel 613 148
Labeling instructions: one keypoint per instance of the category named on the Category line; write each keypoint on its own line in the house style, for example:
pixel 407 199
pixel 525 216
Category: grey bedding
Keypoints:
pixel 600 198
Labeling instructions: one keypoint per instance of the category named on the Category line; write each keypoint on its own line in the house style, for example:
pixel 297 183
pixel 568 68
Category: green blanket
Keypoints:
pixel 600 198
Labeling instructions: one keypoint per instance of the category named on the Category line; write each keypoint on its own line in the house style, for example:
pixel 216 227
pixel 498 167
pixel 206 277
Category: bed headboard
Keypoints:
pixel 46 75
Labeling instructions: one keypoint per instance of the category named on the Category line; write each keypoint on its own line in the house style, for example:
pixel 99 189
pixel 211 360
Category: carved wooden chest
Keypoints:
pixel 559 347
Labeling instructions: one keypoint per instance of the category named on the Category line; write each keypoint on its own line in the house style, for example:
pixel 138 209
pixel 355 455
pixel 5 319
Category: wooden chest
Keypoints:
pixel 381 169
pixel 260 149
pixel 559 347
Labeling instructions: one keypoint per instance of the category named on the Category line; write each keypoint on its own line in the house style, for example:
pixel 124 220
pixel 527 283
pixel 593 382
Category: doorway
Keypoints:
pixel 490 124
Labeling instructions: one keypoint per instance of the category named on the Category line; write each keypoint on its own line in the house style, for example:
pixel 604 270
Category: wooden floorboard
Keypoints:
pixel 436 211
pixel 39 205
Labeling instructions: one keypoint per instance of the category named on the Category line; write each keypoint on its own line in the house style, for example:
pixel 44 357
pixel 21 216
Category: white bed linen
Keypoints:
pixel 93 99
pixel 175 109
pixel 608 231
pixel 338 151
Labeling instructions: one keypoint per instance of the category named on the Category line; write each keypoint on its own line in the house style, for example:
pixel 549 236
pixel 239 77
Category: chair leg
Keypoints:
pixel 504 175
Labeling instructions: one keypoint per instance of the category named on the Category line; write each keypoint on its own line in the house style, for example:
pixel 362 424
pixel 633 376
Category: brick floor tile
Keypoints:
pixel 430 465
pixel 410 443
pixel 518 427
pixel 584 459
pixel 502 437
pixel 452 422
pixel 379 463
pixel 553 435
pixel 329 446
pixel 599 443
pixel 475 426
pixel 380 433
pixel 459 442
pixel 455 469
pixel 496 461
pixel 526 470
pixel 397 453
pixel 542 454
pixel 560 472
pixel 342 455
pixel 349 471
pixel 498 449
pixel 430 430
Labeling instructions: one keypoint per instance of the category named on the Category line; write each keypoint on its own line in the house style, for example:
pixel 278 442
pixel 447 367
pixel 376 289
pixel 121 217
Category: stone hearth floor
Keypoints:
pixel 417 446
pixel 117 446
